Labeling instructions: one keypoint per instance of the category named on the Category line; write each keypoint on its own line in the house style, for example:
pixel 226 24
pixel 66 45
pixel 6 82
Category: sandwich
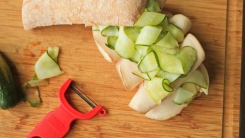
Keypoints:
pixel 151 48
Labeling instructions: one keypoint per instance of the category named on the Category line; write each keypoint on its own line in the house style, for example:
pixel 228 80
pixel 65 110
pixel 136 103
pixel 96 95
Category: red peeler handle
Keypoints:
pixel 57 123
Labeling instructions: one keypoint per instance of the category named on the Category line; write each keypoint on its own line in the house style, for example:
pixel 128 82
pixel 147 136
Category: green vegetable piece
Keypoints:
pixel 124 45
pixel 46 66
pixel 168 41
pixel 187 56
pixel 148 35
pixel 176 32
pixel 170 63
pixel 197 78
pixel 111 41
pixel 166 85
pixel 155 90
pixel 9 95
pixel 152 6
pixel 148 63
pixel 31 94
pixel 171 77
pixel 132 32
pixel 182 96
pixel 150 19
pixel 109 30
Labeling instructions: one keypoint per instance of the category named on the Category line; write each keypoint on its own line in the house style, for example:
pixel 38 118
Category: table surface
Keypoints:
pixel 217 25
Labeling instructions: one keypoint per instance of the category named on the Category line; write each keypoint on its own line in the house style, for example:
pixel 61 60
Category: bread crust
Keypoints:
pixel 37 13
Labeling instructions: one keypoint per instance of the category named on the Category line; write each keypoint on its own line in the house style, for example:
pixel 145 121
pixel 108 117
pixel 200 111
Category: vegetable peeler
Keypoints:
pixel 57 123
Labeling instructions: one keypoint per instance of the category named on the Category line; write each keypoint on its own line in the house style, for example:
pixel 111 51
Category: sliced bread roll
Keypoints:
pixel 37 13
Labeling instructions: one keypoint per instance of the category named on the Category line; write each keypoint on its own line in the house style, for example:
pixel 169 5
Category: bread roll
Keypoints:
pixel 37 13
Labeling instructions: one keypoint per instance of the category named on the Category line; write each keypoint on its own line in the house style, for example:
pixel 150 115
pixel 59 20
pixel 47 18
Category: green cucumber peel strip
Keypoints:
pixel 197 78
pixel 155 90
pixel 147 76
pixel 169 63
pixel 148 35
pixel 31 94
pixel 166 85
pixel 152 6
pixel 111 42
pixel 47 66
pixel 150 19
pixel 187 56
pixel 167 41
pixel 124 45
pixel 30 91
pixel 183 96
pixel 176 32
pixel 148 63
pixel 109 30
pixel 171 77
pixel 132 32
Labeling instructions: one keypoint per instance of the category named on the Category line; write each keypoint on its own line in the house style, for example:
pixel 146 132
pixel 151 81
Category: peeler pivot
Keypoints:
pixel 57 123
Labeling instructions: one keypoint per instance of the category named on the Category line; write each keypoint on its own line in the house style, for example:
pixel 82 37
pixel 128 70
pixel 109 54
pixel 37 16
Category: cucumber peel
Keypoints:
pixel 46 67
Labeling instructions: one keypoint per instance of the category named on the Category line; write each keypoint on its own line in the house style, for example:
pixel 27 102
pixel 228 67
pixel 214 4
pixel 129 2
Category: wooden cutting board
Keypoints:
pixel 217 25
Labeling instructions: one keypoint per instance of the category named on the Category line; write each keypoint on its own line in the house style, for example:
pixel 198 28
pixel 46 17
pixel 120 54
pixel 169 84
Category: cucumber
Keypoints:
pixel 150 18
pixel 8 93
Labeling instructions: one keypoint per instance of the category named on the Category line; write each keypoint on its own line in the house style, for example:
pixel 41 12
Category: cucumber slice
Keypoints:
pixel 150 18
pixel 31 94
pixel 176 32
pixel 111 42
pixel 155 90
pixel 132 32
pixel 143 50
pixel 148 35
pixel 136 58
pixel 169 63
pixel 109 30
pixel 182 96
pixel 124 45
pixel 147 76
pixel 166 85
pixel 46 66
pixel 148 63
pixel 171 77
pixel 187 56
pixel 167 41
pixel 164 24
pixel 152 6
pixel 191 87
pixel 197 78
pixel 170 51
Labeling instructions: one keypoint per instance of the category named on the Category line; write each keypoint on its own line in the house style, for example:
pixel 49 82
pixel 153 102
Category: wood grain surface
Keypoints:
pixel 217 25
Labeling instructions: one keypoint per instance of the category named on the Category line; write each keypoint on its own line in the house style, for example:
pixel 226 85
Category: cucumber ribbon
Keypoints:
pixel 46 67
